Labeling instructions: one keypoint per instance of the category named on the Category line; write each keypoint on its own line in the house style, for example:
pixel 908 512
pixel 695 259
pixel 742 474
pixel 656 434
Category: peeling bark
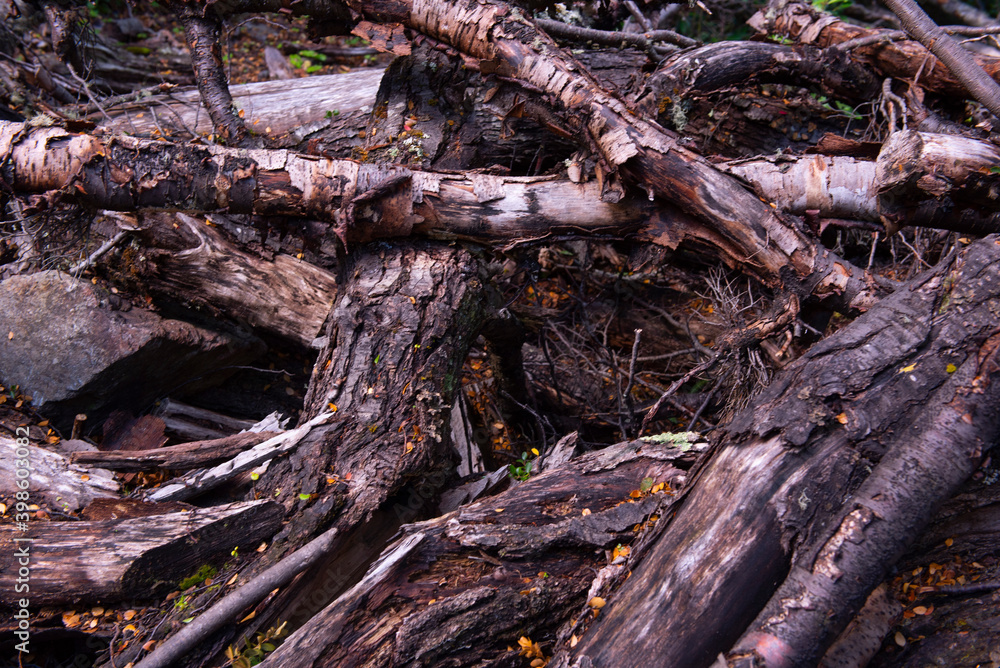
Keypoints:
pixel 901 60
pixel 206 58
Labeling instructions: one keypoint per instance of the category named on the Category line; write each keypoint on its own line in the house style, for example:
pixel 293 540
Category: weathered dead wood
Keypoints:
pixel 203 33
pixel 196 264
pixel 382 201
pixel 767 245
pixel 732 63
pixel 962 596
pixel 191 423
pixel 383 384
pixel 460 589
pixel 109 560
pixel 227 609
pixel 501 39
pixel 64 486
pixel 773 496
pixel 959 62
pixel 203 480
pixel 183 456
pixel 899 59
pixel 919 179
pixel 863 637
pixel 398 334
pixel 367 201
pixel 327 112
pixel 938 180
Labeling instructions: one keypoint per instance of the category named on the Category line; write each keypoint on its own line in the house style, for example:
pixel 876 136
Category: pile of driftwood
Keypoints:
pixel 375 530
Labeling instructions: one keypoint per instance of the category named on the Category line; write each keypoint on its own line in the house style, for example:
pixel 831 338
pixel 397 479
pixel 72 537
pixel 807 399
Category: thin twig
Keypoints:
pixel 678 325
pixel 914 251
pixel 666 356
pixel 638 16
pixel 79 267
pixel 959 590
pixel 708 398
pixel 612 38
pixel 900 35
pixel 86 89
pixel 228 608
pixel 629 403
pixel 134 97
pixel 617 382
pixel 890 101
pixel 676 385
pixel 538 418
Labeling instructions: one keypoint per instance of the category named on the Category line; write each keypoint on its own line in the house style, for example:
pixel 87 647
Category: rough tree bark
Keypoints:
pixel 461 589
pixel 768 506
pixel 110 560
pixel 773 497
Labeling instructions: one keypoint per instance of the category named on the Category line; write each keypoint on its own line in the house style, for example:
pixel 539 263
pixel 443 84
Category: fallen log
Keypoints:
pixel 771 505
pixel 201 481
pixel 178 457
pixel 110 560
pixel 326 111
pixel 899 59
pixel 919 179
pixel 194 263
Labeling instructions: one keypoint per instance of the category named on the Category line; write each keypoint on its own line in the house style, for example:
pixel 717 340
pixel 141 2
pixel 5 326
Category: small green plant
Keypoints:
pixel 181 603
pixel 521 468
pixel 839 107
pixel 832 6
pixel 254 653
pixel 304 60
pixel 200 576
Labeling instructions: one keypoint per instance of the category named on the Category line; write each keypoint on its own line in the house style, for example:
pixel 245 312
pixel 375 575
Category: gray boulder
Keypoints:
pixel 76 348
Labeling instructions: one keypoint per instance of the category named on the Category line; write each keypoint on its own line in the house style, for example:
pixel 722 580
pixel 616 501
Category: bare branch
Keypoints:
pixel 916 22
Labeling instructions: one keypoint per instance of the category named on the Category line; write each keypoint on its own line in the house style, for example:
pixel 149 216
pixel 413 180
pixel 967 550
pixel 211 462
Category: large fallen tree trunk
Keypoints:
pixel 376 418
pixel 906 393
pixel 362 202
